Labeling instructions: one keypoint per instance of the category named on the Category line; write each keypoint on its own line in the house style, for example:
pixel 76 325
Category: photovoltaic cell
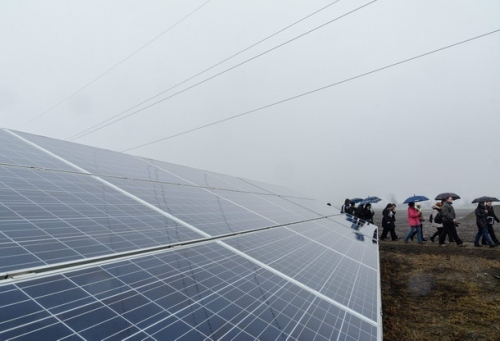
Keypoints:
pixel 312 260
pixel 294 269
pixel 207 179
pixel 48 217
pixel 195 293
pixel 274 189
pixel 17 152
pixel 276 209
pixel 196 206
pixel 103 162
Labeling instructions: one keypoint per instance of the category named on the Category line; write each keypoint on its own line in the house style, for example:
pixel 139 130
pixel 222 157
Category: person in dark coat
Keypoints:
pixel 358 212
pixel 491 220
pixel 482 225
pixel 351 208
pixel 389 222
pixel 368 213
pixel 345 207
pixel 449 223
pixel 439 226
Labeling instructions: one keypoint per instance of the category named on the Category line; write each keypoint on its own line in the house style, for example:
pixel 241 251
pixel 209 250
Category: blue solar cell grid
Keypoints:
pixel 49 217
pixel 294 269
pixel 207 179
pixel 196 206
pixel 191 294
pixel 14 151
pixel 311 257
pixel 103 162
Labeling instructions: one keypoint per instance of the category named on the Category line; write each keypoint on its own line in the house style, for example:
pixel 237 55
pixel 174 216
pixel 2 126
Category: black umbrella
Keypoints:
pixel 415 198
pixel 445 195
pixel 484 199
pixel 356 200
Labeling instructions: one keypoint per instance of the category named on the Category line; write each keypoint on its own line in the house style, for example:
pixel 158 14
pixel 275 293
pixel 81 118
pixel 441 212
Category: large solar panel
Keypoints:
pixel 98 245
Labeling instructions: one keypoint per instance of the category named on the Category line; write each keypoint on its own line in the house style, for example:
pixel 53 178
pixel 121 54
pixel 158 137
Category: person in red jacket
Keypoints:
pixel 414 222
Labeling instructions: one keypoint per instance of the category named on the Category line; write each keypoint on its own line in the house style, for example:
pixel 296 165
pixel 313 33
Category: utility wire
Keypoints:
pixel 113 67
pixel 313 91
pixel 91 129
pixel 211 77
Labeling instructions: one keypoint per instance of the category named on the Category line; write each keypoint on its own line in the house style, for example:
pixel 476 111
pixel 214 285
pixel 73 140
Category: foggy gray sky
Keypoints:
pixel 429 125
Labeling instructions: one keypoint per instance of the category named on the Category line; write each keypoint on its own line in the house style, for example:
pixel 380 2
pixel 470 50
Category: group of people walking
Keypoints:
pixel 443 218
pixel 362 211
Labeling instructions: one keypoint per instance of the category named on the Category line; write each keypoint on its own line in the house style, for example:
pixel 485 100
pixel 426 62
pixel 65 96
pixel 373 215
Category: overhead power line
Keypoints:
pixel 312 91
pixel 114 66
pixel 91 129
pixel 112 120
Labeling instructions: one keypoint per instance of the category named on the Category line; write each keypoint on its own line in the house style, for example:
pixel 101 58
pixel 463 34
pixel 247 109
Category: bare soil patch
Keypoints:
pixel 440 293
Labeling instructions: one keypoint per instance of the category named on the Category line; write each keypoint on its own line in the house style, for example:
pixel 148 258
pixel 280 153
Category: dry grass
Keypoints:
pixel 435 293
pixel 440 293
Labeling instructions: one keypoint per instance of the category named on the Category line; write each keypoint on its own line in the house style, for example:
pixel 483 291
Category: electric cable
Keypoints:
pixel 211 77
pixel 313 91
pixel 113 67
pixel 90 129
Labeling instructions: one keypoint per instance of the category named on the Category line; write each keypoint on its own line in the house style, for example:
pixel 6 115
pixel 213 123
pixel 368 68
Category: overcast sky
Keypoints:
pixel 333 106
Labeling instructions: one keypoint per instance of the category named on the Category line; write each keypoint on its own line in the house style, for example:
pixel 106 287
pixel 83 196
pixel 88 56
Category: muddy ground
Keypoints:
pixel 440 293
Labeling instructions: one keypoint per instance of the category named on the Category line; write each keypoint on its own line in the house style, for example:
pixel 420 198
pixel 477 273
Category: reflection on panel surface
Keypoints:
pixel 234 258
pixel 13 151
pixel 196 206
pixel 103 162
pixel 320 258
pixel 195 293
pixel 48 217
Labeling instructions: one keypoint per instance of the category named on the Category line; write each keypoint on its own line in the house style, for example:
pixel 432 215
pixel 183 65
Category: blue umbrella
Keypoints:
pixel 370 200
pixel 356 200
pixel 415 198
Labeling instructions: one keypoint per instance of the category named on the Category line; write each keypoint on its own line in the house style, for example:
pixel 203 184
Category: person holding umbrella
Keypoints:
pixel 414 199
pixel 482 225
pixel 449 221
pixel 414 222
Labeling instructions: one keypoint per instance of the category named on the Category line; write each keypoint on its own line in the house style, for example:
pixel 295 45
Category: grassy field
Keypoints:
pixel 440 293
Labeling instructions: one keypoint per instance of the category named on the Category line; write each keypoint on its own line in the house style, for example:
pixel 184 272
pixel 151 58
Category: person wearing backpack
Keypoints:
pixel 436 220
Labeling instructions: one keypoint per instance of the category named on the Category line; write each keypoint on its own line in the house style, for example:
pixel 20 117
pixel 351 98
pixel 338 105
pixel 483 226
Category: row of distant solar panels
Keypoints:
pixel 287 282
pixel 104 162
pixel 51 216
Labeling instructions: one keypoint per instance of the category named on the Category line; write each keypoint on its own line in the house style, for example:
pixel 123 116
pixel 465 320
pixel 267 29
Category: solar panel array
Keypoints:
pixel 99 245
